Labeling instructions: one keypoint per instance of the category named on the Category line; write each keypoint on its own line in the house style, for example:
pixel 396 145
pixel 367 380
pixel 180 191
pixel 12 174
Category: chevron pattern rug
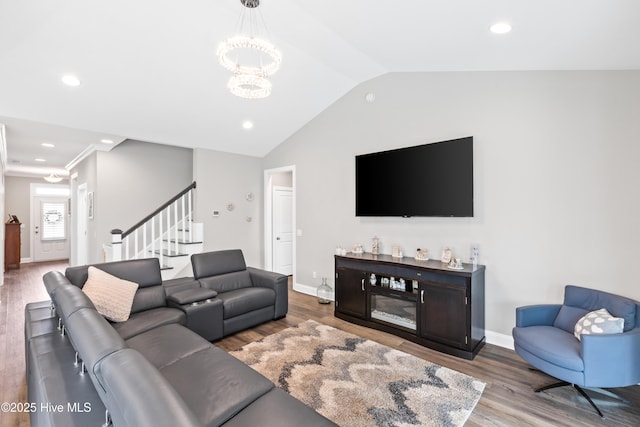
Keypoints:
pixel 357 382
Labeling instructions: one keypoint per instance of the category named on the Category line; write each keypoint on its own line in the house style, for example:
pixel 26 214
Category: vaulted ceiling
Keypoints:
pixel 148 69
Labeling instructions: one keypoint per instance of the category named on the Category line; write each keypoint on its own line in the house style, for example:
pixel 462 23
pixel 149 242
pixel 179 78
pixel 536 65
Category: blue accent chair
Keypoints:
pixel 543 336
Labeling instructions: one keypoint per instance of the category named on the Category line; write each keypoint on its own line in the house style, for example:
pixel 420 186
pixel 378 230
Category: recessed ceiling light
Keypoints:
pixel 47 144
pixel 500 28
pixel 39 160
pixel 70 80
pixel 247 124
pixel 106 141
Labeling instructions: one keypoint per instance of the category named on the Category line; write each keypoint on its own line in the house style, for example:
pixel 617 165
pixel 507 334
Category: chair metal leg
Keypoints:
pixel 550 386
pixel 577 387
pixel 586 396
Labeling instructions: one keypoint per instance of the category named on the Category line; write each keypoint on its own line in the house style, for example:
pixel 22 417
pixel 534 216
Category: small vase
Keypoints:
pixel 325 292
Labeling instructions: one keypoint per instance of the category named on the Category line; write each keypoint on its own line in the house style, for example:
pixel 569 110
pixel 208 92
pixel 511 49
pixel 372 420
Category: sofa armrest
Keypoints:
pixel 172 286
pixel 276 281
pixel 188 296
pixel 611 360
pixel 537 315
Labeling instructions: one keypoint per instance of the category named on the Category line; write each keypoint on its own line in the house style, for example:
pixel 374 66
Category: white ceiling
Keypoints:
pixel 149 70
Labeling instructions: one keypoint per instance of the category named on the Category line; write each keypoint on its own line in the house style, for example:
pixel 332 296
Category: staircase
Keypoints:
pixel 168 234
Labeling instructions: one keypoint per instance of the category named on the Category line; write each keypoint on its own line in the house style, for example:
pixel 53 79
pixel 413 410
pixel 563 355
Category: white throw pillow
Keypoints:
pixel 112 296
pixel 598 322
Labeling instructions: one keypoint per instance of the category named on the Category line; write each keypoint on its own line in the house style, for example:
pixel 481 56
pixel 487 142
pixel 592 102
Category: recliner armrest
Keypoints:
pixel 537 315
pixel 172 286
pixel 611 360
pixel 188 296
pixel 276 281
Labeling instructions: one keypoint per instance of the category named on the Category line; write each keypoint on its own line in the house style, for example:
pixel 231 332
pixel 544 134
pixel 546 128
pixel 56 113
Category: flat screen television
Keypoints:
pixel 430 180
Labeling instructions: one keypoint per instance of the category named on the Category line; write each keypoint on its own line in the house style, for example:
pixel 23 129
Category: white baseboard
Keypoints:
pixel 501 340
pixel 494 338
pixel 306 289
pixel 25 260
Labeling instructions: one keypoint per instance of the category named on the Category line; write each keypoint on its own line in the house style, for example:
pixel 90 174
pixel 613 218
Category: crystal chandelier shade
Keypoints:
pixel 247 42
pixel 53 177
pixel 249 86
pixel 249 57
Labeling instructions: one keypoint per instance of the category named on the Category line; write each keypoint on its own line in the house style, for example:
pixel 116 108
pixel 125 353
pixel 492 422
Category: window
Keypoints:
pixel 53 221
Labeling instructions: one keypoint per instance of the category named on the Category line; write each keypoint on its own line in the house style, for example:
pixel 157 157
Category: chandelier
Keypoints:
pixel 53 177
pixel 250 58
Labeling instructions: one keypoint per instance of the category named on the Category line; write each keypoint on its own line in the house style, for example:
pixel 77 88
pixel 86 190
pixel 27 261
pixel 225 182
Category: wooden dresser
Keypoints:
pixel 12 245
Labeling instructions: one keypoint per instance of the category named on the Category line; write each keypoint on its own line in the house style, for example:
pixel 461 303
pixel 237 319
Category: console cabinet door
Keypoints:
pixel 443 313
pixel 350 292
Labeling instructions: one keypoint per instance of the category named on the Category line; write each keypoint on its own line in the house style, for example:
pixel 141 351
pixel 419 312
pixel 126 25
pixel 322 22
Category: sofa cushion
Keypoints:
pixel 241 301
pixel 113 297
pixel 564 353
pixel 145 272
pixel 167 344
pixel 136 394
pixel 53 379
pixel 567 317
pixel 149 298
pixel 147 320
pixel 217 262
pixel 598 322
pixel 297 413
pixel 228 281
pixel 215 385
pixel 590 300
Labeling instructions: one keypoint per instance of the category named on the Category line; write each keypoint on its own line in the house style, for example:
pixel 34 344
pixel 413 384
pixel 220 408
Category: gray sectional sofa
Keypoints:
pixel 151 370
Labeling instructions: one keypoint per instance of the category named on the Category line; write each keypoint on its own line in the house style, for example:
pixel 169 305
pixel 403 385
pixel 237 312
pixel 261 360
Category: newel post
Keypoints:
pixel 116 245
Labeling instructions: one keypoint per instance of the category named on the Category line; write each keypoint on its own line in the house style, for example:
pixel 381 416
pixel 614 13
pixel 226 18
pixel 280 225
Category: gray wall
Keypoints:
pixel 555 173
pixel 18 202
pixel 131 181
pixel 224 179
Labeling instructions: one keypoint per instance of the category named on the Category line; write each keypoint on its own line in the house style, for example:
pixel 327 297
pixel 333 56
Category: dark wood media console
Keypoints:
pixel 422 301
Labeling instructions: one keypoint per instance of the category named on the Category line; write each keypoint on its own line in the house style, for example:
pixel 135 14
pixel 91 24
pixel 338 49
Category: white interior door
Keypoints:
pixel 283 230
pixel 50 228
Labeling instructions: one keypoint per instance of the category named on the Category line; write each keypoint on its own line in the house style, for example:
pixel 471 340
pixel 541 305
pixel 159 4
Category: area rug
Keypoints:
pixel 358 382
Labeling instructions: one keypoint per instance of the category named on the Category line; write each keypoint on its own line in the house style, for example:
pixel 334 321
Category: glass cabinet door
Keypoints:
pixel 394 309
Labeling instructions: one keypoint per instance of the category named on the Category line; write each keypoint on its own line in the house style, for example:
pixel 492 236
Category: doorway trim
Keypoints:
pixel 60 191
pixel 268 217
pixel 80 226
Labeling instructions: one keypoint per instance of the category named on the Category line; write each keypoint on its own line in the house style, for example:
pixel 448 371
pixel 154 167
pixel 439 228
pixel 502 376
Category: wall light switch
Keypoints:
pixel 299 232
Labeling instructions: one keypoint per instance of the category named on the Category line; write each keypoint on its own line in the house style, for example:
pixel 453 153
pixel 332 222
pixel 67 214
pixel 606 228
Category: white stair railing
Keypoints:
pixel 169 223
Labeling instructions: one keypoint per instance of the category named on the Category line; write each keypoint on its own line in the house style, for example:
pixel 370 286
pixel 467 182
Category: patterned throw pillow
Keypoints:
pixel 598 322
pixel 113 297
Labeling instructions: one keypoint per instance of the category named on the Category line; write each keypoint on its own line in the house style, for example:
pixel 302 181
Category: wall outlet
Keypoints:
pixel 314 275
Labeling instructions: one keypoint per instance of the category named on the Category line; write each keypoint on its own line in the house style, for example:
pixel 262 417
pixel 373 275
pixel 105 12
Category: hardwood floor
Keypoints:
pixel 21 286
pixel 508 399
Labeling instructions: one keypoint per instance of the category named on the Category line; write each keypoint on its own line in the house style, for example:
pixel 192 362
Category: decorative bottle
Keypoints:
pixel 325 292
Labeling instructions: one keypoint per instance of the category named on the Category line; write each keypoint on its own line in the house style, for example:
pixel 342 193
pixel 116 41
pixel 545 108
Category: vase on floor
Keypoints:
pixel 325 292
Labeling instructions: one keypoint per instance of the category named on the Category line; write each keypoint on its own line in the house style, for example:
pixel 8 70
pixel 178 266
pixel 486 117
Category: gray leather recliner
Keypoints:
pixel 250 296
